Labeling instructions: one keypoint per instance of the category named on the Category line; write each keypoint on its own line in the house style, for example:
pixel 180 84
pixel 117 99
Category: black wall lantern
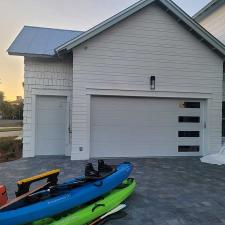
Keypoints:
pixel 152 82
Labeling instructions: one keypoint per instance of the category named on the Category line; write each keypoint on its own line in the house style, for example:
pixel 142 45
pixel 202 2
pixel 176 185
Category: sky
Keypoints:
pixel 66 14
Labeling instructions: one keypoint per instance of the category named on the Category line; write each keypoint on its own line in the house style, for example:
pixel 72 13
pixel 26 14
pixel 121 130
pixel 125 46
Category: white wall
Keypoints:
pixel 122 59
pixel 47 76
pixel 215 23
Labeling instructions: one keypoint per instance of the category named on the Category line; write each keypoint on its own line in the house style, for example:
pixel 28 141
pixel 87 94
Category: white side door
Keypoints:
pixel 51 125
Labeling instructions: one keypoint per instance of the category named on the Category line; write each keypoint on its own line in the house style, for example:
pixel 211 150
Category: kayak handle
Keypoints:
pixel 98 184
pixel 96 206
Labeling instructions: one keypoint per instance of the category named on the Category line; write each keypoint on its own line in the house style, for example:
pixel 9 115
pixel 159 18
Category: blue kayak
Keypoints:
pixel 67 200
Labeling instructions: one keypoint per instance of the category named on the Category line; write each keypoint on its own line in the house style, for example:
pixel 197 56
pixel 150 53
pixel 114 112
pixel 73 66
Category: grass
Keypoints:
pixel 10 149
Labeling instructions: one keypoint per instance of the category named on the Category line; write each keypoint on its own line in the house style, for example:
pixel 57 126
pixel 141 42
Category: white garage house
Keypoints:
pixel 146 82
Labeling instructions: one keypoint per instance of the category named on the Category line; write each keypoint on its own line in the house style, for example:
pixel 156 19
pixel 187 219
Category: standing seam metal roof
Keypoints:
pixel 40 41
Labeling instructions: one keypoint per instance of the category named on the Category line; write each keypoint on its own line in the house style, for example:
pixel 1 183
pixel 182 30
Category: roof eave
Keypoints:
pixel 31 55
pixel 103 26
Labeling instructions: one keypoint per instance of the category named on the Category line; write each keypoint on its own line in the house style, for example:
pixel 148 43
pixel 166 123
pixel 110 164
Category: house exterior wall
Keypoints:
pixel 121 60
pixel 42 77
pixel 214 23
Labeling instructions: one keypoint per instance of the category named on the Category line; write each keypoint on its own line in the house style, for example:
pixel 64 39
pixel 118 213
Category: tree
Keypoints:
pixel 18 111
pixel 10 111
pixel 7 111
pixel 1 97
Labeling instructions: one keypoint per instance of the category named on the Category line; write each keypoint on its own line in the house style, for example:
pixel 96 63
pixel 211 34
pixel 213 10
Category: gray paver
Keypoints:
pixel 170 191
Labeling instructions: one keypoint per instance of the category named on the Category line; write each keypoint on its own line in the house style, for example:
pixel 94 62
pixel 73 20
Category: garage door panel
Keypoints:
pixel 133 118
pixel 189 141
pixel 137 146
pixel 134 122
pixel 134 151
pixel 189 112
pixel 144 133
pixel 190 126
pixel 125 108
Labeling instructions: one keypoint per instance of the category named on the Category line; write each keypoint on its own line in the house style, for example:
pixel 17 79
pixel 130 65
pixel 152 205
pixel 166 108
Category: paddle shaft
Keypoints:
pixel 96 221
pixel 113 211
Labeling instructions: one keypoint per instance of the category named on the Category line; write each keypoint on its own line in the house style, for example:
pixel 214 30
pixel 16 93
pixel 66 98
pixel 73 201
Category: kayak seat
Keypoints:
pixel 24 184
pixel 91 173
pixel 125 185
pixel 104 170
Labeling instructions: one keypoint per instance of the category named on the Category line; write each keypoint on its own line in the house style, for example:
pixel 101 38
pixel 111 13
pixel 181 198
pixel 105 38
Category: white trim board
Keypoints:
pixel 55 92
pixel 143 93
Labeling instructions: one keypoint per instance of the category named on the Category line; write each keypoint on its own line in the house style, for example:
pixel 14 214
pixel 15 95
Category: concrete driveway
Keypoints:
pixel 174 191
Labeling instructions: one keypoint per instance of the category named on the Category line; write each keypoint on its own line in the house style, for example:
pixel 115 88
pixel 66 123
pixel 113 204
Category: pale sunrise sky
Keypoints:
pixel 65 14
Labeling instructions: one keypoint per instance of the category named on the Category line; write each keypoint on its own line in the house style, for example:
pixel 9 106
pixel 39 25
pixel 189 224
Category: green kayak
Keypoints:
pixel 91 211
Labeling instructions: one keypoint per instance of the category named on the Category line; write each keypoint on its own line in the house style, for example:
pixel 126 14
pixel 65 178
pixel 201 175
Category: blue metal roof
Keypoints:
pixel 40 41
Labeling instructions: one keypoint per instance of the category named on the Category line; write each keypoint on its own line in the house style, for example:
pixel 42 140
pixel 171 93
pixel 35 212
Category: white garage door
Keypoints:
pixel 50 125
pixel 142 127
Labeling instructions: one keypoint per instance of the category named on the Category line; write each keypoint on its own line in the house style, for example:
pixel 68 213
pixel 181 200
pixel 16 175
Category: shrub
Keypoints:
pixel 10 149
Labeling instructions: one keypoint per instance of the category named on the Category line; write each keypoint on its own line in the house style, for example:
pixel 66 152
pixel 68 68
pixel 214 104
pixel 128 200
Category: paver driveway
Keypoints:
pixel 170 191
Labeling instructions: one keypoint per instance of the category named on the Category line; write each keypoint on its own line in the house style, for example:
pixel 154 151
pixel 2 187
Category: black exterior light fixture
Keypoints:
pixel 152 82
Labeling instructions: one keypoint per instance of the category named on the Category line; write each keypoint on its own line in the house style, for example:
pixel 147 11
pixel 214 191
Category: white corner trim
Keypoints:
pixel 88 143
pixel 143 93
pixel 33 124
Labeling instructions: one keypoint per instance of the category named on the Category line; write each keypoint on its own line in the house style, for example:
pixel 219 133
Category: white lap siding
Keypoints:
pixel 151 42
pixel 215 24
pixel 39 75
